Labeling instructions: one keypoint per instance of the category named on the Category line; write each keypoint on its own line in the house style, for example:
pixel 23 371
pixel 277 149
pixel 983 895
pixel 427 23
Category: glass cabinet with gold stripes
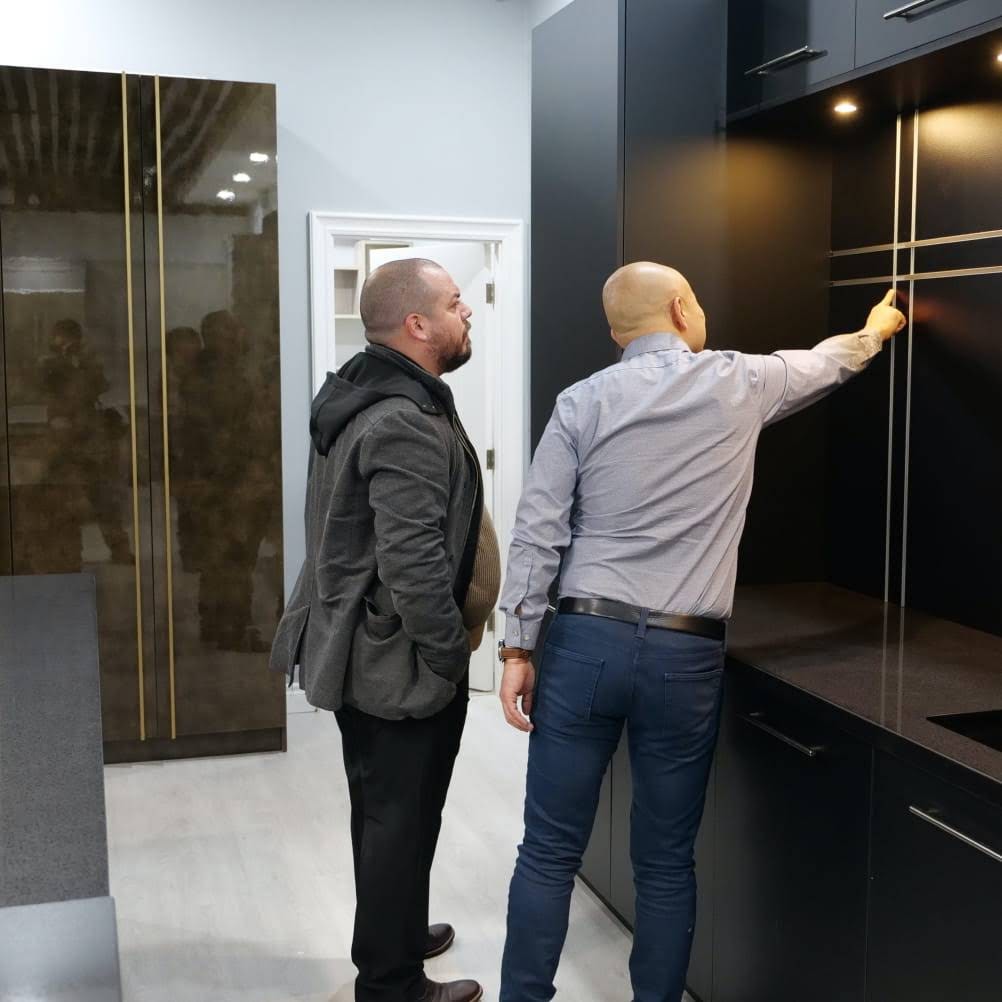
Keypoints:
pixel 139 398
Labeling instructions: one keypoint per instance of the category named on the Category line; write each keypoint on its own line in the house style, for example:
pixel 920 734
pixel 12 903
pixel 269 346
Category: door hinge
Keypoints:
pixel 490 459
pixel 491 291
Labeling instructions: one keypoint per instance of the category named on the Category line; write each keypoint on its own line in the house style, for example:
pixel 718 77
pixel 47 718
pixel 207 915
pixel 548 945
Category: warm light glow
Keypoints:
pixel 241 178
pixel 259 158
pixel 226 195
pixel 998 58
pixel 846 108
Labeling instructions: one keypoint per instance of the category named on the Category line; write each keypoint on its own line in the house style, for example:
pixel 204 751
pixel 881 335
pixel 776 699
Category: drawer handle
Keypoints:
pixel 755 719
pixel 908 9
pixel 800 55
pixel 966 839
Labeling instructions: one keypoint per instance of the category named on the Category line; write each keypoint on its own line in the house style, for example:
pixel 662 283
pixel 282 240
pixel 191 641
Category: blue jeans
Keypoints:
pixel 596 675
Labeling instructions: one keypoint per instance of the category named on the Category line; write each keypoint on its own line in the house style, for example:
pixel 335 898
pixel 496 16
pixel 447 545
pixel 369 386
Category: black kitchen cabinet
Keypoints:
pixel 792 811
pixel 886 28
pixel 576 195
pixel 622 896
pixel 595 866
pixel 781 48
pixel 936 892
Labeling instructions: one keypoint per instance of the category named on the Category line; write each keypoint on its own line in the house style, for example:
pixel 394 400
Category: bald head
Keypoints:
pixel 394 291
pixel 648 298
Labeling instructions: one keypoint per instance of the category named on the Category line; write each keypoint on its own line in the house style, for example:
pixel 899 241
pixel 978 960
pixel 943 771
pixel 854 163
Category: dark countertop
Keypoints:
pixel 53 835
pixel 888 666
pixel 65 951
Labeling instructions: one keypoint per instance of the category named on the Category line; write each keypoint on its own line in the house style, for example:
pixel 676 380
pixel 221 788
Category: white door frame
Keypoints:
pixel 508 364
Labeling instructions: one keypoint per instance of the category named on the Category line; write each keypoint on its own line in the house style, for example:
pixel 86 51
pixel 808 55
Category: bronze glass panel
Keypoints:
pixel 218 442
pixel 71 409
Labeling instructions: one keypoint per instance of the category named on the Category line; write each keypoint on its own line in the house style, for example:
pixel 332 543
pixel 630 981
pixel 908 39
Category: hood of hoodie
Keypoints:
pixel 371 376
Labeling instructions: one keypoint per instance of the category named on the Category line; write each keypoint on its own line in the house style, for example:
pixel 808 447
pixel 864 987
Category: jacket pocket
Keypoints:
pixel 289 640
pixel 387 676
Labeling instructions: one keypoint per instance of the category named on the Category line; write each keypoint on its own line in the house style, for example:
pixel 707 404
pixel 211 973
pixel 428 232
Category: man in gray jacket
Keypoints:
pixel 394 519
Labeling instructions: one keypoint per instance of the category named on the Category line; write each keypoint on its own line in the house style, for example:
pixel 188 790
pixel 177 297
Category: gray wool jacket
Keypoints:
pixel 393 507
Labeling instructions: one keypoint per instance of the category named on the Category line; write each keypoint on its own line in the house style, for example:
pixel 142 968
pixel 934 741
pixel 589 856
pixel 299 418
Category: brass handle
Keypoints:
pixel 755 719
pixel 966 839
pixel 132 409
pixel 908 9
pixel 169 540
pixel 801 55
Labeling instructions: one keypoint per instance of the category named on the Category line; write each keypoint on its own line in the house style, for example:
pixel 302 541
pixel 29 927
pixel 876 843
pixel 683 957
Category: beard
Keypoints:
pixel 452 360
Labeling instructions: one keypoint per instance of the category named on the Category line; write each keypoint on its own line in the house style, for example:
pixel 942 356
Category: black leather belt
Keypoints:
pixel 702 626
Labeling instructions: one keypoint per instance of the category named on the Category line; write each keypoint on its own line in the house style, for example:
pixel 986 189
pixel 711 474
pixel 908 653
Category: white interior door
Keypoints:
pixel 471 268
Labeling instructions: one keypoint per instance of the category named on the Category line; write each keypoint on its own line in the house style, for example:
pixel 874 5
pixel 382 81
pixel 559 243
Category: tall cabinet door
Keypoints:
pixel 5 551
pixel 77 464
pixel 212 296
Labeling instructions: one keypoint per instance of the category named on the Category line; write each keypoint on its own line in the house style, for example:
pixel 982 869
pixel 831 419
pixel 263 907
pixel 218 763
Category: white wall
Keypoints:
pixel 395 106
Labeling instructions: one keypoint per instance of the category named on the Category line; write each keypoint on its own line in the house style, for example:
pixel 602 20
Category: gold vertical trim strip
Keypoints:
pixel 132 410
pixel 168 534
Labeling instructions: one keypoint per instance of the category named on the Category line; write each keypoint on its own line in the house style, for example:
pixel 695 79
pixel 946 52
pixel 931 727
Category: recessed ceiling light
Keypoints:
pixel 998 58
pixel 241 178
pixel 846 108
pixel 226 195
pixel 259 158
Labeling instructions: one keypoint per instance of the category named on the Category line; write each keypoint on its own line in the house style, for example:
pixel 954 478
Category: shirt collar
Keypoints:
pixel 654 342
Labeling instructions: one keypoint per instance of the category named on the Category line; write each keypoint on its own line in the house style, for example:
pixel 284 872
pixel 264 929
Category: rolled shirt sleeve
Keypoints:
pixel 793 380
pixel 542 528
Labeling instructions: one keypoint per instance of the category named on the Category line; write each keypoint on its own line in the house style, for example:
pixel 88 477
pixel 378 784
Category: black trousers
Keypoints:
pixel 398 776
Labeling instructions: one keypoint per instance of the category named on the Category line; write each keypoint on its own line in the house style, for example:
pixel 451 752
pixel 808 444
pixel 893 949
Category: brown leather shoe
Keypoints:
pixel 440 938
pixel 452 991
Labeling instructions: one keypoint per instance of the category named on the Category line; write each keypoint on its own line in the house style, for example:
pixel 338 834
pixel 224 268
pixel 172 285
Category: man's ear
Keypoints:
pixel 416 327
pixel 676 312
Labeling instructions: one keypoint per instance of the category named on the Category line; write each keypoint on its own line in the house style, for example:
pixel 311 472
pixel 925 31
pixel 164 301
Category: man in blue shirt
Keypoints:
pixel 637 496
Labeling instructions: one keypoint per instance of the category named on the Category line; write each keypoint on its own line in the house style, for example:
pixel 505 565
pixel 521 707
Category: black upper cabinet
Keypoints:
pixel 886 28
pixel 780 48
pixel 936 892
pixel 791 813
pixel 576 195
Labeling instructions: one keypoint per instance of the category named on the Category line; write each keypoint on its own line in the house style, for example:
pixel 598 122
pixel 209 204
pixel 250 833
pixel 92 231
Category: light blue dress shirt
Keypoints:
pixel 642 477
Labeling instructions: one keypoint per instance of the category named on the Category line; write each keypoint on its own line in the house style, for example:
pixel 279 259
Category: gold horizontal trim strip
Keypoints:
pixel 141 677
pixel 168 528
pixel 920 276
pixel 959 238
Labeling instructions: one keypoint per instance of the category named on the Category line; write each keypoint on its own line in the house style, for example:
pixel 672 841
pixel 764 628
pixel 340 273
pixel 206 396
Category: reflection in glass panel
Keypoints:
pixel 67 351
pixel 222 343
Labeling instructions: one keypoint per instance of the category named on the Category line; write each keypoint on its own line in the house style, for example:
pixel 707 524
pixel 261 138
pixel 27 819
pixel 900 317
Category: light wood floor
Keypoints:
pixel 233 878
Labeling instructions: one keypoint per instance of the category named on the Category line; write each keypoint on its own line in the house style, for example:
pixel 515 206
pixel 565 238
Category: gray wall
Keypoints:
pixel 392 106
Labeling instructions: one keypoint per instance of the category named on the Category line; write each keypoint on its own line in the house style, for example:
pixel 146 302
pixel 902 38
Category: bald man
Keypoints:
pixel 401 570
pixel 640 483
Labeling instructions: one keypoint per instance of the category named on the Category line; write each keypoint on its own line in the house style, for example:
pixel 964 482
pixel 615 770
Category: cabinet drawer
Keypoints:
pixel 886 27
pixel 779 49
pixel 936 891
pixel 790 880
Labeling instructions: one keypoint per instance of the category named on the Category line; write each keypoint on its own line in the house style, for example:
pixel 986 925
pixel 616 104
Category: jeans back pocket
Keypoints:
pixel 568 680
pixel 692 709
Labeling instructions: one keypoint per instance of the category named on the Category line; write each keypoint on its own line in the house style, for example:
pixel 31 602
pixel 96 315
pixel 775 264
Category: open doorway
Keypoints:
pixel 486 260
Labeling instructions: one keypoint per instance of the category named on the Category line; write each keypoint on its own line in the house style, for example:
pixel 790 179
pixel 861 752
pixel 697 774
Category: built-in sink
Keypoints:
pixel 985 726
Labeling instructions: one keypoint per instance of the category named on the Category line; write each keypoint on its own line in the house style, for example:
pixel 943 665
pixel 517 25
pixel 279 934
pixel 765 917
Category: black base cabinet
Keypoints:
pixel 936 892
pixel 792 808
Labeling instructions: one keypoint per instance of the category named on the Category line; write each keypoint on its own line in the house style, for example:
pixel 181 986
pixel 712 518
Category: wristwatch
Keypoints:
pixel 512 653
